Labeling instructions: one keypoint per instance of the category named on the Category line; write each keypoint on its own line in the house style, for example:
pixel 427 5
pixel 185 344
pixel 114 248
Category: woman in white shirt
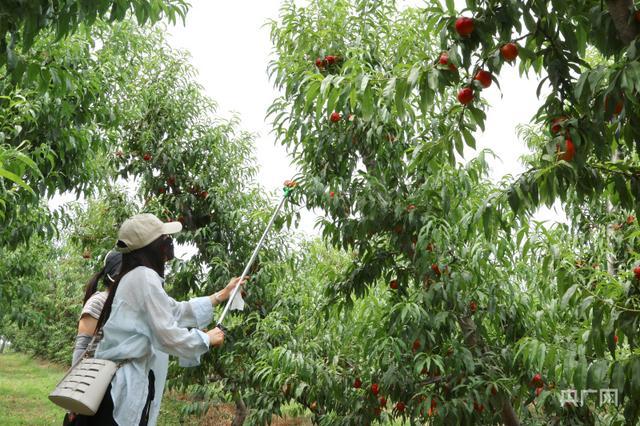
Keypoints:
pixel 142 325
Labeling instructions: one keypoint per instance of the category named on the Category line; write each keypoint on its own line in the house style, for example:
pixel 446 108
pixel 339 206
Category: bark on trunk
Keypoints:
pixel 611 257
pixel 620 11
pixel 473 341
pixel 468 327
pixel 509 417
pixel 241 410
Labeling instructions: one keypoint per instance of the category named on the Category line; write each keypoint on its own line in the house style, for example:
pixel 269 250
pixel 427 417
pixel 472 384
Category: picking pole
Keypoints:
pixel 252 259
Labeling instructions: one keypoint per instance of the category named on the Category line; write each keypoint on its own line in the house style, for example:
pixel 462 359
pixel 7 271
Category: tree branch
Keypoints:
pixel 241 409
pixel 620 11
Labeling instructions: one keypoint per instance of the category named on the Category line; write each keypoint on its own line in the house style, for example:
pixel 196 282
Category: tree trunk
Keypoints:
pixel 241 410
pixel 3 342
pixel 509 417
pixel 469 331
pixel 473 341
pixel 620 11
pixel 611 257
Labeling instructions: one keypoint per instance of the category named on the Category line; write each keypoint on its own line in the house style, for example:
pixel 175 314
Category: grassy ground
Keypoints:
pixel 24 386
pixel 25 383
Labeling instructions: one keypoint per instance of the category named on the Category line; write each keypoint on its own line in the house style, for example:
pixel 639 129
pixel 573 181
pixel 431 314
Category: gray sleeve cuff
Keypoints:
pixel 82 341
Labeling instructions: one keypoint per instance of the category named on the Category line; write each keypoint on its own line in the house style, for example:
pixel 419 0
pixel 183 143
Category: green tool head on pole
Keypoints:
pixel 289 186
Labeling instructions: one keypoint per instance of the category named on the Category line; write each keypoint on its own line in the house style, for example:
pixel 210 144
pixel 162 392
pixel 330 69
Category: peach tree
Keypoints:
pixel 21 25
pixel 57 132
pixel 377 106
pixel 56 108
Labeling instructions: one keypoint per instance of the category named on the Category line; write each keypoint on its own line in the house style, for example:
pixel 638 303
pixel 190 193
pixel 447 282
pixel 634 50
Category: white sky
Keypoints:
pixel 230 48
pixel 231 51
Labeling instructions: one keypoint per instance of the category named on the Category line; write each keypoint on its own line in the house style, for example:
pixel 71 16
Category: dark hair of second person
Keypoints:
pixel 153 256
pixel 108 274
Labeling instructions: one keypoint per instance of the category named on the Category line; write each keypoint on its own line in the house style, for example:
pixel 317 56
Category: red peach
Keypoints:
pixel 464 26
pixel 416 345
pixel 435 268
pixel 636 272
pixel 465 95
pixel 509 51
pixel 375 388
pixel 331 59
pixel 484 78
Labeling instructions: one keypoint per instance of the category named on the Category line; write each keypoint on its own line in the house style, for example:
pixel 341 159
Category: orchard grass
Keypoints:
pixel 26 381
pixel 24 385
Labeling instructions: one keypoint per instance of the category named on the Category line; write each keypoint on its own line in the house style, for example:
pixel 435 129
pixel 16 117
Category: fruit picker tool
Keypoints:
pixel 288 189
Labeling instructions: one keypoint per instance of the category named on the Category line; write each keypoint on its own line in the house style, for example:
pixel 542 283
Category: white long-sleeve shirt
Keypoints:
pixel 145 326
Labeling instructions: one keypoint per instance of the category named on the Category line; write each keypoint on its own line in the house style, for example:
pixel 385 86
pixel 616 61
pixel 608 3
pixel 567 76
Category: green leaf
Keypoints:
pixel 16 179
pixel 468 138
pixel 597 375
pixel 353 99
pixel 580 375
pixel 332 99
pixel 579 87
pixel 312 93
pixel 568 295
pixel 29 32
pixel 300 389
pixel 63 26
pixel 367 104
pixel 478 116
pixel 617 377
pixel 33 72
pixel 433 78
pixel 526 54
pixel 451 7
pixel 514 200
pixel 541 354
pixel 633 376
pixel 486 222
pixel 457 140
pixel 364 82
pixel 414 75
pixel 389 89
pixel 325 85
pixel 426 96
pixel 401 90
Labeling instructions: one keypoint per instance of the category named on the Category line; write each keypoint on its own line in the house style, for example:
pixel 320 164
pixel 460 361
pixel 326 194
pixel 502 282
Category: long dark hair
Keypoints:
pixel 92 285
pixel 151 256
pixel 110 270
